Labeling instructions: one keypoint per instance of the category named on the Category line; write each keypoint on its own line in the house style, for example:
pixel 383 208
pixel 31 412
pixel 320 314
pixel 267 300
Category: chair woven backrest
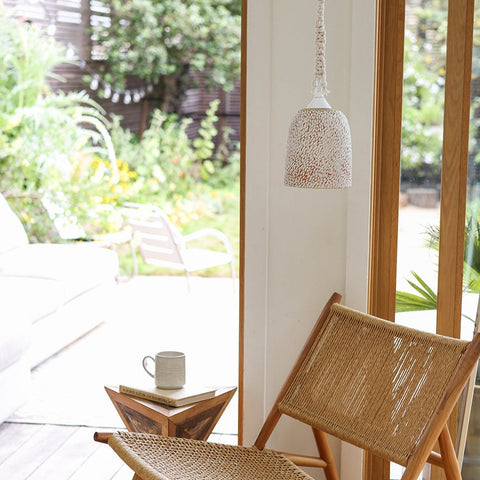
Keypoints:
pixel 371 382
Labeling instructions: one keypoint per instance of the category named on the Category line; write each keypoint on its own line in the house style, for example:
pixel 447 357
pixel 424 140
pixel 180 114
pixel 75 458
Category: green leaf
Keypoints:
pixel 422 288
pixel 409 302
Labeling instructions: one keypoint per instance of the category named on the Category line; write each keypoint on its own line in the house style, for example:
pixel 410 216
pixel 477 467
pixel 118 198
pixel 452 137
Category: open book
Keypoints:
pixel 174 398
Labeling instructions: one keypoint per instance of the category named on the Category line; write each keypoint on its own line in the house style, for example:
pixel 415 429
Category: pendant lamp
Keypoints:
pixel 319 147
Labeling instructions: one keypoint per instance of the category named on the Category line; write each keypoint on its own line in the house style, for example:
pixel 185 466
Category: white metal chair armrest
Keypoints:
pixel 161 243
pixel 212 232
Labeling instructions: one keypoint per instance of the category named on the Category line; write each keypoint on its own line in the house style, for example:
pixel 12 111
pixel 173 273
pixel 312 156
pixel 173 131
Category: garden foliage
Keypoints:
pixel 47 139
pixel 422 132
pixel 423 91
pixel 61 159
pixel 425 296
pixel 187 178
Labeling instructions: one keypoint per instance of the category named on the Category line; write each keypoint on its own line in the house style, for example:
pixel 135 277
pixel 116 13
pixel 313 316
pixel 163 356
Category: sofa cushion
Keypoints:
pixel 14 341
pixel 27 299
pixel 16 316
pixel 78 268
pixel 12 232
pixel 14 387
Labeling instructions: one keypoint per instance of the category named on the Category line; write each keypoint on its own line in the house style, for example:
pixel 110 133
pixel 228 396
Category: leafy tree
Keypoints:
pixel 166 42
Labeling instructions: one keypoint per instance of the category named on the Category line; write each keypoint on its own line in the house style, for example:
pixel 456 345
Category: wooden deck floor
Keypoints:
pixel 56 452
pixel 43 440
pixel 40 452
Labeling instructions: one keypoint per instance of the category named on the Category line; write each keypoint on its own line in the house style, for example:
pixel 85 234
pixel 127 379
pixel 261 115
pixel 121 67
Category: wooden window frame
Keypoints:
pixel 243 143
pixel 386 172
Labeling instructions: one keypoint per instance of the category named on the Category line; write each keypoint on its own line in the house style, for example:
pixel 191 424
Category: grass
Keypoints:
pixel 226 220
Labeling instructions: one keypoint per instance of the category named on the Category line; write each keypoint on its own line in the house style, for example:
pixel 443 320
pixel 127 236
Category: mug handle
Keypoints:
pixel 144 364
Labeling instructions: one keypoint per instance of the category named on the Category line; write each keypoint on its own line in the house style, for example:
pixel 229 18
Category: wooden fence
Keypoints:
pixel 68 22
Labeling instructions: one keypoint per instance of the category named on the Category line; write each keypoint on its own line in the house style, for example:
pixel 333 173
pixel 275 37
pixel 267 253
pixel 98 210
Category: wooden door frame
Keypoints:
pixel 387 131
pixel 386 172
pixel 243 143
pixel 454 166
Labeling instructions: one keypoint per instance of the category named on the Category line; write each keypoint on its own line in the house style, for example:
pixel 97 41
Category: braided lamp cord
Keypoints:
pixel 320 81
pixel 319 147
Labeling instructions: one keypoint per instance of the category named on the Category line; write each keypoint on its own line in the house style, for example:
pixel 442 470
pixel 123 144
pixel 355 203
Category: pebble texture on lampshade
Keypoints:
pixel 319 150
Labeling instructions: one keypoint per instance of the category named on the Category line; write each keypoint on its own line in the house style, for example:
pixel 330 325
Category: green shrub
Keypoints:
pixel 57 151
pixel 180 175
pixel 48 141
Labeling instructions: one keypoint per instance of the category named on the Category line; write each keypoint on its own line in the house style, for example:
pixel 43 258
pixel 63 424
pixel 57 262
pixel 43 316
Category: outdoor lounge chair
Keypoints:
pixel 385 388
pixel 161 243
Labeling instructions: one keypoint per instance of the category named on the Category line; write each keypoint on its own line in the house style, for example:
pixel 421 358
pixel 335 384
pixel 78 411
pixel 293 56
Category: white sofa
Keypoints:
pixel 50 295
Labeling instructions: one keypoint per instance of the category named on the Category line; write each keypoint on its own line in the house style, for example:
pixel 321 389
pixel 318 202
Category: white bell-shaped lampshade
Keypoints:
pixel 319 150
pixel 319 147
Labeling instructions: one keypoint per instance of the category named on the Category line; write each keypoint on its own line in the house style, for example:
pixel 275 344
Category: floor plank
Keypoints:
pixel 42 444
pixel 104 464
pixel 13 436
pixel 68 458
pixel 36 443
pixel 125 473
pixel 56 452
pixel 60 452
pixel 58 397
pixel 223 438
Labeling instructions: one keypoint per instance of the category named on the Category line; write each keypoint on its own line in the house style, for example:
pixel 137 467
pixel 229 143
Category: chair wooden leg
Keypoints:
pixel 452 470
pixel 136 477
pixel 326 454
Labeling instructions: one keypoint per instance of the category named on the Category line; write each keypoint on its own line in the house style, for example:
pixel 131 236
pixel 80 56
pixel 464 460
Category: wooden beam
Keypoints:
pixel 454 166
pixel 102 437
pixel 243 143
pixel 385 176
pixel 386 157
pixel 435 459
pixel 454 174
pixel 330 469
pixel 305 460
pixel 447 449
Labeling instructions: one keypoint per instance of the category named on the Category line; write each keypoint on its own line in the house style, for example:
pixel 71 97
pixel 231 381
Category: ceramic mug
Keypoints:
pixel 169 370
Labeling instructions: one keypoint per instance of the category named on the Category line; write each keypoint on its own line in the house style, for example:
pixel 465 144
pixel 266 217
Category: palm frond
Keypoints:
pixel 433 237
pixel 410 302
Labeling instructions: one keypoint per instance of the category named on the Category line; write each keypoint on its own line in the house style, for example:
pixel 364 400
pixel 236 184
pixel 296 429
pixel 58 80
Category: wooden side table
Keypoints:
pixel 191 421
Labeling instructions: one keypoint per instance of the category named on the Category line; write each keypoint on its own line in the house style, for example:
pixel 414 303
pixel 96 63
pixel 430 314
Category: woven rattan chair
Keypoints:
pixel 383 387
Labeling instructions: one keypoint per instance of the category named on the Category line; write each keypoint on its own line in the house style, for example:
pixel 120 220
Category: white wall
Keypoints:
pixel 301 245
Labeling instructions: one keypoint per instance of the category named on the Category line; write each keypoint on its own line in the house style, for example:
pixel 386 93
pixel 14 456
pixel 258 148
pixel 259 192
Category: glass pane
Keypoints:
pixel 421 153
pixel 469 411
pixel 422 132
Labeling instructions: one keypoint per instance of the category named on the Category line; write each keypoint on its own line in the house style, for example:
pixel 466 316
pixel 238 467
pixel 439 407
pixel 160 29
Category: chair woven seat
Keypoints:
pixel 155 457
